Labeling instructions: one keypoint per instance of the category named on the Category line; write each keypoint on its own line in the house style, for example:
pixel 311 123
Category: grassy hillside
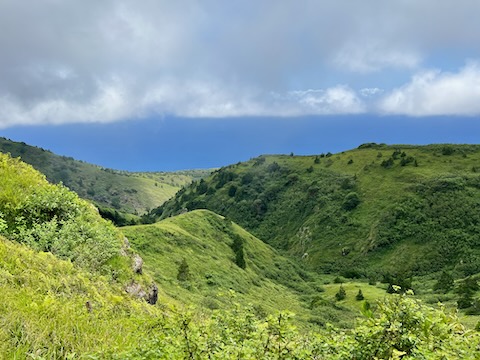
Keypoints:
pixel 123 191
pixel 51 218
pixel 377 211
pixel 205 242
pixel 63 272
pixel 50 309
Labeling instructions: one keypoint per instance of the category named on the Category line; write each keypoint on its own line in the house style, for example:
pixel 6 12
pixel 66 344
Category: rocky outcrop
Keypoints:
pixel 137 265
pixel 136 290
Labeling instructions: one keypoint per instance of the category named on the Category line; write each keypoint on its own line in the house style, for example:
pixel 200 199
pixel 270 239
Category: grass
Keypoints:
pixel 43 312
pixel 270 282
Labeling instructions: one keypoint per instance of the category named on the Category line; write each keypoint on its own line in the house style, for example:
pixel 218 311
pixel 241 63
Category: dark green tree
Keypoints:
pixel 444 282
pixel 341 294
pixel 232 190
pixel 351 201
pixel 237 247
pixel 359 296
pixel 183 271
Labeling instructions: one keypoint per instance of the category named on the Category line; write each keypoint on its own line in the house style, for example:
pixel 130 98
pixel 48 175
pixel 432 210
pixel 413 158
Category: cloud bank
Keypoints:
pixel 437 93
pixel 104 61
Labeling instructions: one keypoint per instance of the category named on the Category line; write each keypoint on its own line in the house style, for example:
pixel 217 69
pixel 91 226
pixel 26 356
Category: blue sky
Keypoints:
pixel 164 85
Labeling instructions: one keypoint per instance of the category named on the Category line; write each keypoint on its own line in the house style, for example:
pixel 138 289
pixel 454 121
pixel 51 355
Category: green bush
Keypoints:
pixel 341 294
pixel 51 218
pixel 351 201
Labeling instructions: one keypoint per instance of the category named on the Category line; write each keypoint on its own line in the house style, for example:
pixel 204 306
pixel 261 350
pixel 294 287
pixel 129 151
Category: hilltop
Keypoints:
pixel 111 190
pixel 377 211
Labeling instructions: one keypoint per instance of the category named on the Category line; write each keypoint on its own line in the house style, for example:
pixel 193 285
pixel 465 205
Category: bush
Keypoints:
pixel 341 294
pixel 351 201
pixel 444 283
pixel 183 273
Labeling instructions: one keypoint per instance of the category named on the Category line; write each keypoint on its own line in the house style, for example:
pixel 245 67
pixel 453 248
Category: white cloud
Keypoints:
pixel 366 58
pixel 336 100
pixel 370 92
pixel 103 61
pixel 437 93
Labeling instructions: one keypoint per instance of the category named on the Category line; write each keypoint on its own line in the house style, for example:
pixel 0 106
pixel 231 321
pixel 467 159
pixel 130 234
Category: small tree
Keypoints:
pixel 183 271
pixel 341 294
pixel 359 296
pixel 232 190
pixel 444 282
pixel 237 247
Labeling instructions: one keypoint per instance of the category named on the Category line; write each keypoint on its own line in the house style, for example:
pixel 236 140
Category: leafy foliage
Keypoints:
pixel 51 218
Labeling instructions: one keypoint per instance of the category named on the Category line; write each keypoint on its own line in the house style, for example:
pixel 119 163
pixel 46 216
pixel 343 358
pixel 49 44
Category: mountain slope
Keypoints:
pixel 205 242
pixel 53 219
pixel 50 309
pixel 374 211
pixel 124 191
pixel 77 307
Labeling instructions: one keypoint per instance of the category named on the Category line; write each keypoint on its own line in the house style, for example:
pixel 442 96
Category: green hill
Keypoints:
pixel 51 309
pixel 377 211
pixel 51 218
pixel 206 243
pixel 123 191
pixel 71 288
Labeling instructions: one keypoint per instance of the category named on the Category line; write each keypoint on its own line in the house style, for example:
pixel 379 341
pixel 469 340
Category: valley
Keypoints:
pixel 293 251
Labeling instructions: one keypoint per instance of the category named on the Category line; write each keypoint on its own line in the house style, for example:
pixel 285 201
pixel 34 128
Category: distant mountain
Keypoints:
pixel 377 211
pixel 122 191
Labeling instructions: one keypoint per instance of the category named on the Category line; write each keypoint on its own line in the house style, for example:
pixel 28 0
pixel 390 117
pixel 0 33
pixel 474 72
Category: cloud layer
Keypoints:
pixel 103 61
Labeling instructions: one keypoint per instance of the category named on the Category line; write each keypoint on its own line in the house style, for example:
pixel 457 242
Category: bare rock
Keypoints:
pixel 137 264
pixel 136 290
pixel 125 247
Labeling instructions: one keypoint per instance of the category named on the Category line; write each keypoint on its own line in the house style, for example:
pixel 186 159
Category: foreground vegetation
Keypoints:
pixel 49 309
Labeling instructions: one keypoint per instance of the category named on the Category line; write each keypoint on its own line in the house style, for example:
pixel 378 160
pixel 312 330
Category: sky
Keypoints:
pixel 168 85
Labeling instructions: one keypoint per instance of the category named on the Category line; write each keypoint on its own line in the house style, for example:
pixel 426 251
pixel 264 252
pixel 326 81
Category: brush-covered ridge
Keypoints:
pixel 372 211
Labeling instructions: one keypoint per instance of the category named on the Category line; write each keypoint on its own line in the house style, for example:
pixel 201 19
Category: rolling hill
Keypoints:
pixel 205 242
pixel 71 288
pixel 377 211
pixel 127 192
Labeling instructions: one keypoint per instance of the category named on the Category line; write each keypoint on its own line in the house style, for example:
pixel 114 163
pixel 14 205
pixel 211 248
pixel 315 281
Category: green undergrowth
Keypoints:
pixel 51 218
pixel 50 309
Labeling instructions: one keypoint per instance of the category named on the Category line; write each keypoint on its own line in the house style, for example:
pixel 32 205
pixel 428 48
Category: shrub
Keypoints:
pixel 444 283
pixel 341 294
pixel 183 273
pixel 351 201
